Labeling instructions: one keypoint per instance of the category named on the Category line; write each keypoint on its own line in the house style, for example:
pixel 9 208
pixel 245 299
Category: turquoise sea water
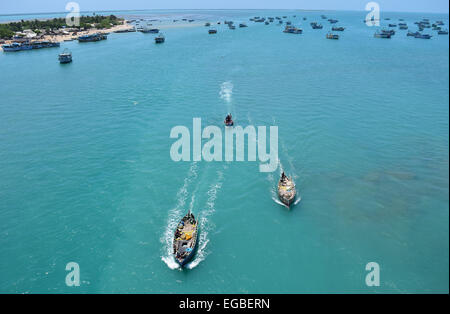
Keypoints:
pixel 86 175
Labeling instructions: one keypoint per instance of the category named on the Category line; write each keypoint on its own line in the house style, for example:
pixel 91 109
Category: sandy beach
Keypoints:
pixel 123 27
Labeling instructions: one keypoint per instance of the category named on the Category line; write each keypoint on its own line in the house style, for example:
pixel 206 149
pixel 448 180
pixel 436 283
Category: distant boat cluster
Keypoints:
pixel 421 26
pixel 20 44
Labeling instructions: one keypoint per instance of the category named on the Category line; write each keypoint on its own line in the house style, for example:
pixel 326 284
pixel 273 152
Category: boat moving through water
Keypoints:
pixel 286 190
pixel 185 239
pixel 229 120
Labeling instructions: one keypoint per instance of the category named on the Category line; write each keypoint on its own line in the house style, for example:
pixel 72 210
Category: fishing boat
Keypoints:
pixel 212 31
pixel 92 38
pixel 160 38
pixel 403 27
pixel 315 25
pixel 332 36
pixel 292 30
pixel 388 31
pixel 229 120
pixel 392 25
pixel 286 190
pixel 243 25
pixel 65 56
pixel 412 34
pixel 338 29
pixel 382 35
pixel 231 26
pixel 207 24
pixel 185 239
pixel 12 47
pixel 423 36
pixel 150 30
pixel 332 21
pixel 443 32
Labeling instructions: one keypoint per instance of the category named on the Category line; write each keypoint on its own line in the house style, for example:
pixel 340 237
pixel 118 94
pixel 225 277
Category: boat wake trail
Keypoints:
pixel 226 91
pixel 204 224
pixel 174 217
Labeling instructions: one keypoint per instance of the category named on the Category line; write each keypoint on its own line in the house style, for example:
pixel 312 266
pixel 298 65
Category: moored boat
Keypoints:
pixel 65 56
pixel 332 36
pixel 160 39
pixel 382 35
pixel 286 190
pixel 185 239
pixel 92 38
pixel 423 36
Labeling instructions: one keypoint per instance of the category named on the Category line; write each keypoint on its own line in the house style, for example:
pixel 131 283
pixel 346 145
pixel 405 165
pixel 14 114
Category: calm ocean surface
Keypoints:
pixel 86 175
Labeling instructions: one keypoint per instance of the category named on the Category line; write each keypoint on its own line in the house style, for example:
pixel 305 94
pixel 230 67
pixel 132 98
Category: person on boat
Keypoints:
pixel 228 118
pixel 283 177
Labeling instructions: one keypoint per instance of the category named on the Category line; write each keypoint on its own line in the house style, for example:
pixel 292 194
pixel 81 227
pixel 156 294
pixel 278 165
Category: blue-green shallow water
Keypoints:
pixel 86 175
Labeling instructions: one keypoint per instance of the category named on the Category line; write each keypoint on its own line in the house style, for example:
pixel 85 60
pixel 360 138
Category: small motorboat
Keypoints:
pixel 443 32
pixel 65 57
pixel 338 29
pixel 286 190
pixel 185 239
pixel 212 31
pixel 229 120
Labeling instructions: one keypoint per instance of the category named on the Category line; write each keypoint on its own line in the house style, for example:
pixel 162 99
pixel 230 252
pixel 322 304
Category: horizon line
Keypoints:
pixel 129 10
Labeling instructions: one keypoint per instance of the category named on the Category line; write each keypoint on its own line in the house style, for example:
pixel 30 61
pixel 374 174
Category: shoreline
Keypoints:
pixel 118 28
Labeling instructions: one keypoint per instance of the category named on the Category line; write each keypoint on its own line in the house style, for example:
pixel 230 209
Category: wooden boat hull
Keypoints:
pixel 185 248
pixel 286 192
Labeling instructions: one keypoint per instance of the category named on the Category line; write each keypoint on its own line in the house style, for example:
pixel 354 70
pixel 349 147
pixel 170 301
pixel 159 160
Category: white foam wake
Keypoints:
pixel 174 217
pixel 205 225
pixel 226 91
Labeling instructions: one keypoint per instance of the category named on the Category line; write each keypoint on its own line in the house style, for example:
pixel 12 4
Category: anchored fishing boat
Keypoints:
pixel 332 36
pixel 185 239
pixel 412 34
pixel 292 30
pixel 423 36
pixel 65 56
pixel 286 190
pixel 160 39
pixel 92 37
pixel 382 35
